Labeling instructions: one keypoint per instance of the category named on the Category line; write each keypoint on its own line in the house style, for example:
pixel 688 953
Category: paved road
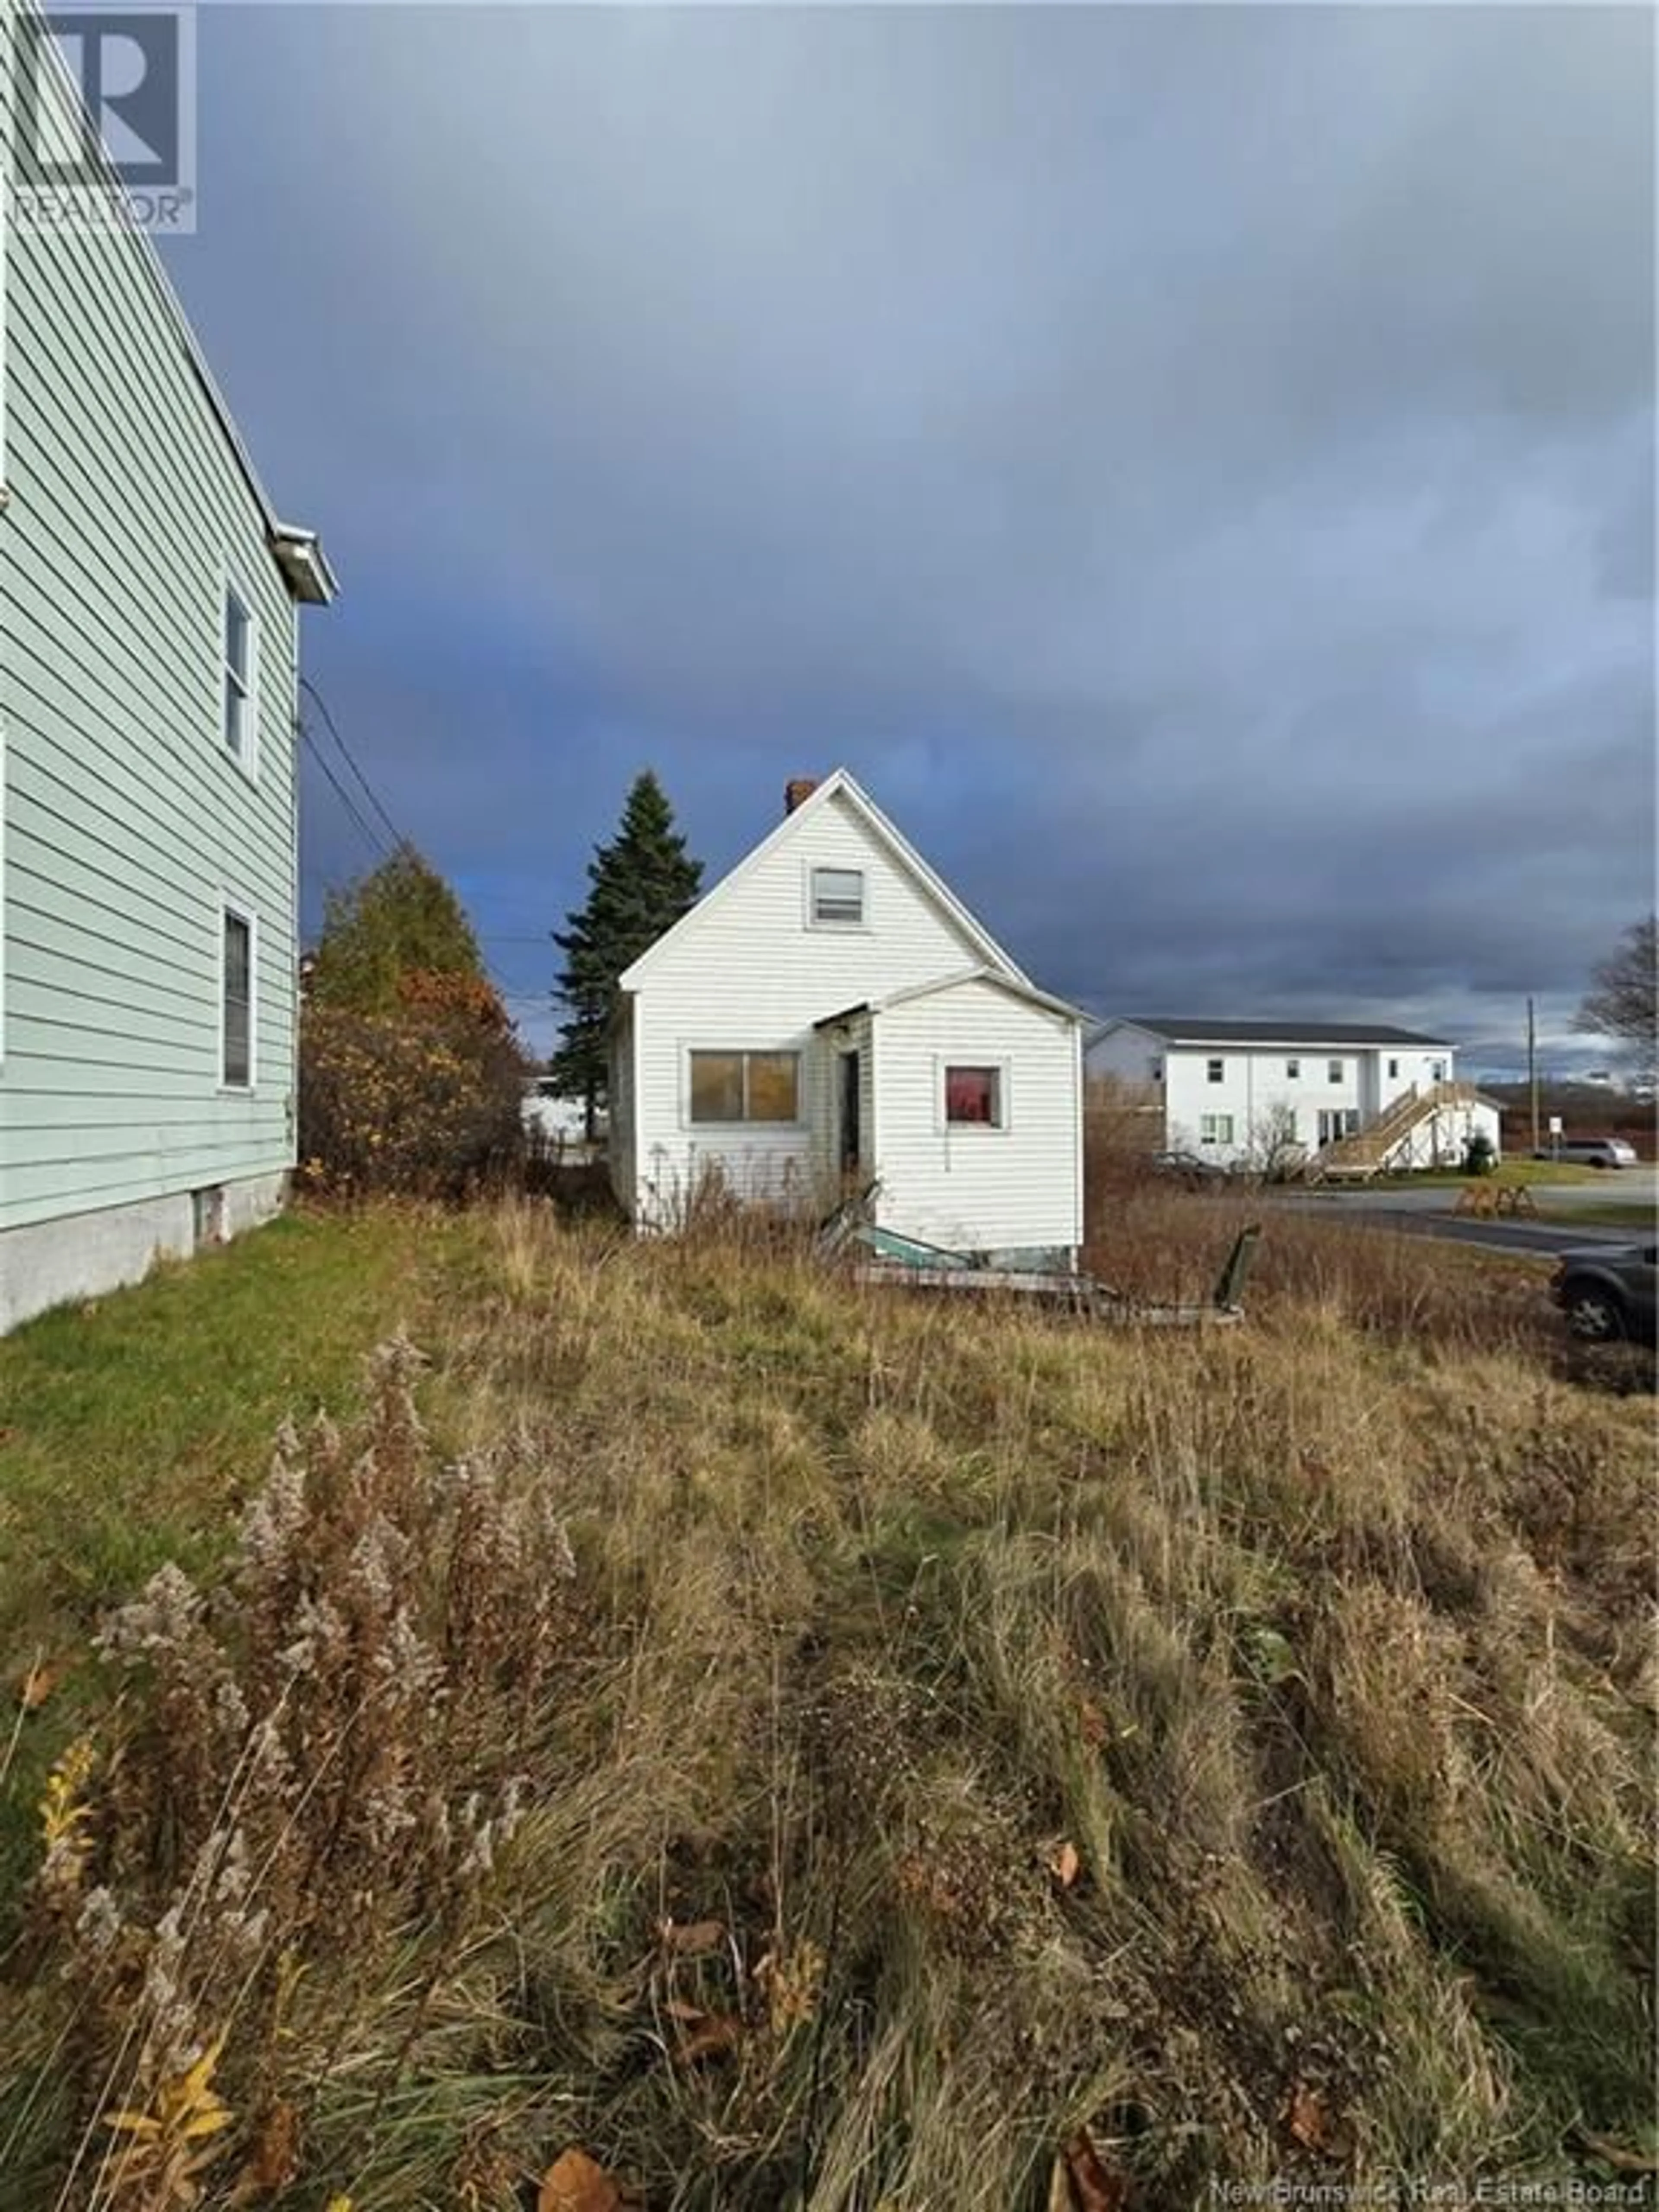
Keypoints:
pixel 1426 1212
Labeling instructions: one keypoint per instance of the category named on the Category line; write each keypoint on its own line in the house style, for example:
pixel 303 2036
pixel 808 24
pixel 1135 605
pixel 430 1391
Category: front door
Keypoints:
pixel 851 1147
pixel 1336 1122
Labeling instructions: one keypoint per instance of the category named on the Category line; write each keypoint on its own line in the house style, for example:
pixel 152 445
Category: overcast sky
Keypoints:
pixel 1195 466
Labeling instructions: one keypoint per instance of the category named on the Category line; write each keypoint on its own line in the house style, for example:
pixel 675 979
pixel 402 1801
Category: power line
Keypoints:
pixel 373 796
pixel 368 836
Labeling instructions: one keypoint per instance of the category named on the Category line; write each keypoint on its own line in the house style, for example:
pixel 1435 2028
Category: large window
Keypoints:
pixel 745 1086
pixel 239 699
pixel 974 1098
pixel 1215 1129
pixel 236 1002
pixel 838 898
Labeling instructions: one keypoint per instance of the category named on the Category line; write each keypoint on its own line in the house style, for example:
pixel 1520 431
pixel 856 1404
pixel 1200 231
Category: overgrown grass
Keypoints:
pixel 130 1428
pixel 961 1729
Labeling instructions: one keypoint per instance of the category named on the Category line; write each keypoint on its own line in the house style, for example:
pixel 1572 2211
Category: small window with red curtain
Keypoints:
pixel 973 1097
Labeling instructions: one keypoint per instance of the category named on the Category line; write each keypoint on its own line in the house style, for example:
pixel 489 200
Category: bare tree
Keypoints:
pixel 1623 1000
pixel 1271 1146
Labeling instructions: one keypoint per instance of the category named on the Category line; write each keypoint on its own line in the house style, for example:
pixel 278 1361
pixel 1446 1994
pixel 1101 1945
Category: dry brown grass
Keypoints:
pixel 959 1727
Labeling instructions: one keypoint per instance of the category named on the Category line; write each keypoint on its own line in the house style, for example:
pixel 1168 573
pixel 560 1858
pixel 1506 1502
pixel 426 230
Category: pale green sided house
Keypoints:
pixel 148 620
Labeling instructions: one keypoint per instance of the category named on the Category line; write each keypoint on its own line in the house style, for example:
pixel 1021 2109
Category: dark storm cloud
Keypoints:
pixel 1196 465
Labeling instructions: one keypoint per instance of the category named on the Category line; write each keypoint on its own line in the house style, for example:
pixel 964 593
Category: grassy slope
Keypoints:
pixel 1323 1654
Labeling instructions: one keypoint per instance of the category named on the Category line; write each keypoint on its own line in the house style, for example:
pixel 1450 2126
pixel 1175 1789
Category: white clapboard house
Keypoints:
pixel 830 1018
pixel 1342 1098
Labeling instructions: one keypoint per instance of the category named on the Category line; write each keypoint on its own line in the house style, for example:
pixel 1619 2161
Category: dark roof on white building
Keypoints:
pixel 1289 1032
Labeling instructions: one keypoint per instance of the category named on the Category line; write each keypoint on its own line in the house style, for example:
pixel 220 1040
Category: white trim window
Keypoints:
pixel 835 898
pixel 1336 1070
pixel 724 1089
pixel 974 1094
pixel 1293 1071
pixel 1215 1129
pixel 237 954
pixel 1215 1071
pixel 240 651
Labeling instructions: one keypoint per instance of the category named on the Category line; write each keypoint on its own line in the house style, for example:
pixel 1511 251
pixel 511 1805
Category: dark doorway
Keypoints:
pixel 850 1145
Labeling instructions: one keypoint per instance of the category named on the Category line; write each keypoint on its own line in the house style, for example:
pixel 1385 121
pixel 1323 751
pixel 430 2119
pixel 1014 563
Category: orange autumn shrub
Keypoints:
pixel 424 1101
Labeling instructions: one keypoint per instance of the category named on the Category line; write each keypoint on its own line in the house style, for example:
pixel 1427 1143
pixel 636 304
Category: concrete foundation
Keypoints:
pixel 53 1263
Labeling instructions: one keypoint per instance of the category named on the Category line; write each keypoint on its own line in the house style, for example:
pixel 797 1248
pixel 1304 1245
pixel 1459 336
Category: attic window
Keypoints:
pixel 837 898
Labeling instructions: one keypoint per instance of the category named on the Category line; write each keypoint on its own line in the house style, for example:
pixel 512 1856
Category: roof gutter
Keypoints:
pixel 299 554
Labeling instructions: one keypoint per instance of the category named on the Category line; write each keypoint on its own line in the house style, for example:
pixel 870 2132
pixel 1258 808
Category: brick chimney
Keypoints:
pixel 799 788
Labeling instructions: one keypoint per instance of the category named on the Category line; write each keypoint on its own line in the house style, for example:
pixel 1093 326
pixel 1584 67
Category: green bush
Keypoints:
pixel 1480 1155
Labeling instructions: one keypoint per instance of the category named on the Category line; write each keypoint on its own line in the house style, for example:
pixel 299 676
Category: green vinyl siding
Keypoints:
pixel 128 824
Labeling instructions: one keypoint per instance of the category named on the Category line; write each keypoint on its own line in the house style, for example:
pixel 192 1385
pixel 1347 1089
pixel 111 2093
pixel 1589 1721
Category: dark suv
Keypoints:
pixel 1608 1290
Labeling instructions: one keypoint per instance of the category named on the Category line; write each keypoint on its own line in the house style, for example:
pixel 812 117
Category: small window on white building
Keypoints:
pixel 1334 1070
pixel 240 704
pixel 1215 1071
pixel 837 898
pixel 1437 1071
pixel 1293 1069
pixel 1393 1069
pixel 974 1097
pixel 1215 1129
pixel 236 1002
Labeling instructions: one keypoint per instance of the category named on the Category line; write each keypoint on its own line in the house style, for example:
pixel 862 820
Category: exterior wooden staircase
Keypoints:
pixel 1357 1157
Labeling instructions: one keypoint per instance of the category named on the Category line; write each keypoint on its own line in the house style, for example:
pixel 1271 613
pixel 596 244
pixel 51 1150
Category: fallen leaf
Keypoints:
pixel 1064 1863
pixel 1094 2187
pixel 688 1939
pixel 275 2158
pixel 1309 2120
pixel 576 2182
pixel 37 1684
pixel 718 2035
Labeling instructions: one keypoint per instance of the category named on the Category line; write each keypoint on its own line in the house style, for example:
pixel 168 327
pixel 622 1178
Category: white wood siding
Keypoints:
pixel 980 1187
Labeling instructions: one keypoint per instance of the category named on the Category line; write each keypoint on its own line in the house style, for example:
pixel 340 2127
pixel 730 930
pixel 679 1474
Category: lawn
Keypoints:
pixel 1516 1169
pixel 694 1734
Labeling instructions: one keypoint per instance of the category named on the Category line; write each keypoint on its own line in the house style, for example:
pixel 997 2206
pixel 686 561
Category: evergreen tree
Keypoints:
pixel 402 920
pixel 640 884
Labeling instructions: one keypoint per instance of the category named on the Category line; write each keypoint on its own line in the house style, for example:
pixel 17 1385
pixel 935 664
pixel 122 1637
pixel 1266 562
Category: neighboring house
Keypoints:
pixel 553 1119
pixel 1345 1097
pixel 148 600
pixel 830 1018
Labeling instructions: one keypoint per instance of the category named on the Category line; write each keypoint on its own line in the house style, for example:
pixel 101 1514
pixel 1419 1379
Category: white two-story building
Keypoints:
pixel 1348 1097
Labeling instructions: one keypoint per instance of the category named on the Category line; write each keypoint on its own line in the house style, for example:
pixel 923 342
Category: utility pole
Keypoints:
pixel 1532 1070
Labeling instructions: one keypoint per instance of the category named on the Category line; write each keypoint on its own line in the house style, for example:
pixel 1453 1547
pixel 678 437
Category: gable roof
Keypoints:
pixel 1016 986
pixel 1290 1033
pixel 840 785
